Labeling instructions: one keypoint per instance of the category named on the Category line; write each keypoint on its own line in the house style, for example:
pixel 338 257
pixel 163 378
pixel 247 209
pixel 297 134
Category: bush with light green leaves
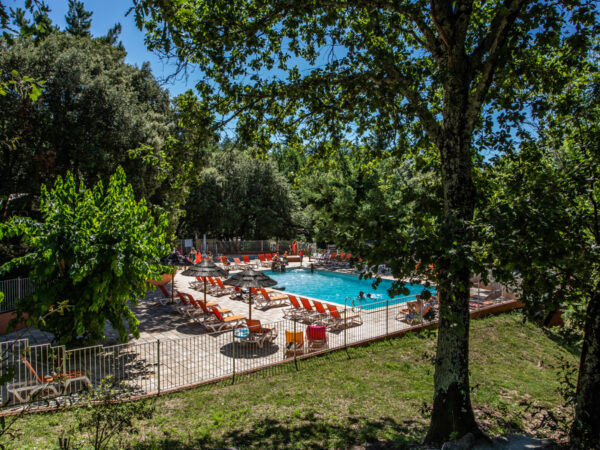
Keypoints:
pixel 93 251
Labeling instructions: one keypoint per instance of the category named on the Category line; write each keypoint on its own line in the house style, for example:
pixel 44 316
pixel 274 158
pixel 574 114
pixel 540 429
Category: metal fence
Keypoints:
pixel 240 246
pixel 14 290
pixel 50 376
pixel 45 373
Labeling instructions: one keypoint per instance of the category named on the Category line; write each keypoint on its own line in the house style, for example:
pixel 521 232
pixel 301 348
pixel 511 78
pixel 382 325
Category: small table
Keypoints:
pixel 241 333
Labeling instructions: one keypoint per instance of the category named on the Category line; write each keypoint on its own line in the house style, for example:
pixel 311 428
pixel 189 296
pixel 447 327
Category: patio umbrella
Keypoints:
pixel 250 278
pixel 174 259
pixel 205 268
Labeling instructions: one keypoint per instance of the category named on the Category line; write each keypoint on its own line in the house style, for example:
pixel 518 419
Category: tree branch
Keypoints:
pixel 497 33
pixel 432 42
pixel 430 125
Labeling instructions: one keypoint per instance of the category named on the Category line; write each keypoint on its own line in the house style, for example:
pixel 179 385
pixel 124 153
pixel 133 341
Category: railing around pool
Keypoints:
pixel 47 376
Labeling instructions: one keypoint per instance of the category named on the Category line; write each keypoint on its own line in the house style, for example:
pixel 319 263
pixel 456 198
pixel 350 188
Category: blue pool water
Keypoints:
pixel 336 287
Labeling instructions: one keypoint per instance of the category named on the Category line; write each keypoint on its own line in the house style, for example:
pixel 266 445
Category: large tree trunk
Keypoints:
pixel 452 415
pixel 585 432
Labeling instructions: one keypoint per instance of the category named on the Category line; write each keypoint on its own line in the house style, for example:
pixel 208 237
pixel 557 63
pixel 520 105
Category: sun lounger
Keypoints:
pixel 321 317
pixel 414 314
pixel 196 306
pixel 296 311
pixel 166 296
pixel 338 261
pixel 63 378
pixel 294 343
pixel 263 261
pixel 266 300
pixel 342 319
pixel 344 260
pixel 24 391
pixel 316 337
pixel 207 308
pixel 249 263
pixel 258 334
pixel 222 289
pixel 238 264
pixel 219 322
pixel 184 304
pixel 310 314
pixel 330 260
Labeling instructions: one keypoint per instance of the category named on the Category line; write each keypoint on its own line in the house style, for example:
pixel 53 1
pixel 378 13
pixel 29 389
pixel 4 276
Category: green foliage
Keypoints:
pixel 549 192
pixel 102 417
pixel 94 249
pixel 240 196
pixel 79 21
pixel 432 76
pixel 332 69
pixel 370 208
pixel 39 28
pixel 94 108
pixel 542 227
pixel 95 112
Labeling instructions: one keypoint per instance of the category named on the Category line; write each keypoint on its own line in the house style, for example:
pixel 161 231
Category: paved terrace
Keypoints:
pixel 184 349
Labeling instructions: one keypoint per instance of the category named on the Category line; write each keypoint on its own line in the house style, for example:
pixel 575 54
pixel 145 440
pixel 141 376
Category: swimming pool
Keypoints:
pixel 337 287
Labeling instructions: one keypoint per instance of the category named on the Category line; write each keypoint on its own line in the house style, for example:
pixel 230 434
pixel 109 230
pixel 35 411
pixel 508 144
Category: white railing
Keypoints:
pixel 14 290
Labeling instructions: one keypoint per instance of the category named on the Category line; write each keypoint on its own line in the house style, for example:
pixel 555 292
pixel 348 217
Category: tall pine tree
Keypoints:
pixel 78 19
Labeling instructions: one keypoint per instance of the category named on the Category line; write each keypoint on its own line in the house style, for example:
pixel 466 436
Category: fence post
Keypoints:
pixel 158 364
pixel 233 353
pixel 387 316
pixel 18 287
pixel 295 347
pixel 345 322
pixel 64 359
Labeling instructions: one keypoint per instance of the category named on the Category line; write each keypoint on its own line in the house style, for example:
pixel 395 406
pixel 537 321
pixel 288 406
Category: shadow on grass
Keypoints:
pixel 303 431
pixel 566 342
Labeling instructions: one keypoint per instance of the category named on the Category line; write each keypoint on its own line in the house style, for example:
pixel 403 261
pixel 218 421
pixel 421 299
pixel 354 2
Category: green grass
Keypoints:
pixel 379 394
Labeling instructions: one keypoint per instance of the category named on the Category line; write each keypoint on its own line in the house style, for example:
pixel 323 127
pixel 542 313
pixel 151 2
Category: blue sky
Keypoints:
pixel 106 14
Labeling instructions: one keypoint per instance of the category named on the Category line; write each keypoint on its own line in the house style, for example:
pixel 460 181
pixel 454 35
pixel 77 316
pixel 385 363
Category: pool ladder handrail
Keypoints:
pixel 352 299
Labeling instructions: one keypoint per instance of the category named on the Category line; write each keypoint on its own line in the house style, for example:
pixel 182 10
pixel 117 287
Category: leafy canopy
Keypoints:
pixel 333 69
pixel 237 195
pixel 542 227
pixel 94 249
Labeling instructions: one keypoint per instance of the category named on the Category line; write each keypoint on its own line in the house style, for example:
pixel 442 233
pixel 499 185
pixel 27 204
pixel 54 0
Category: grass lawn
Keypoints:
pixel 378 394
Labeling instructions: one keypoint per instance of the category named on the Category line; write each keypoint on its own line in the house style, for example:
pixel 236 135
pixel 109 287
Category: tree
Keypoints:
pixel 95 113
pixel 93 250
pixel 79 21
pixel 6 15
pixel 113 35
pixel 542 222
pixel 240 196
pixel 418 71
pixel 368 207
pixel 39 28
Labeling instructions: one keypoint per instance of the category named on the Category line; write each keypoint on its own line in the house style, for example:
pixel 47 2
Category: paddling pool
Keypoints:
pixel 341 288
